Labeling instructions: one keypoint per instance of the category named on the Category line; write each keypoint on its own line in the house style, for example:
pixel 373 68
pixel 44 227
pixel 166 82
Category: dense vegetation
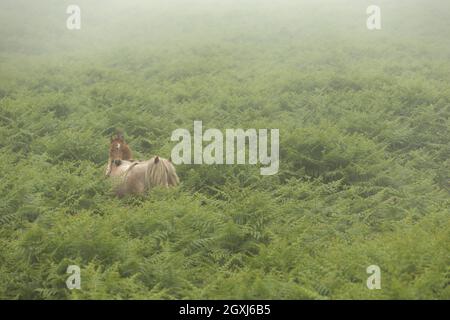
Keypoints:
pixel 364 128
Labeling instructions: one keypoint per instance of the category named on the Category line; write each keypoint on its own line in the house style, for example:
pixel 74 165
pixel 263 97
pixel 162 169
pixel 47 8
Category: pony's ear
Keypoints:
pixel 170 159
pixel 156 159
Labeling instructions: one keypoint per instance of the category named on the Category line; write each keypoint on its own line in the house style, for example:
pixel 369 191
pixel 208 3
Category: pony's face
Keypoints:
pixel 118 150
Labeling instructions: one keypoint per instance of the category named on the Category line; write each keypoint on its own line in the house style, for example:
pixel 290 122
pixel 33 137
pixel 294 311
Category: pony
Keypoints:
pixel 136 177
pixel 118 150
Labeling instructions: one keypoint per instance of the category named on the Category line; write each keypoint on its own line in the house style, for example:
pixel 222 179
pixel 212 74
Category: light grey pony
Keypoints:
pixel 136 177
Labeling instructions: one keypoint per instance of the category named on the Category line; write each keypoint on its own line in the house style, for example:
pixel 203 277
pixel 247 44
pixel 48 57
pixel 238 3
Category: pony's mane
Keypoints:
pixel 160 172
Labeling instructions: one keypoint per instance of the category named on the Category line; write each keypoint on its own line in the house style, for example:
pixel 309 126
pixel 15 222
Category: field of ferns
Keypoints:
pixel 364 175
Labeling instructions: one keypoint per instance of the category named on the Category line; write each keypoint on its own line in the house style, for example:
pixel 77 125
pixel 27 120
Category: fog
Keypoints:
pixel 39 27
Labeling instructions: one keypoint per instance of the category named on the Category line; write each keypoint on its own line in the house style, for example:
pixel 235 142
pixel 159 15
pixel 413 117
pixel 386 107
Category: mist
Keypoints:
pixel 39 27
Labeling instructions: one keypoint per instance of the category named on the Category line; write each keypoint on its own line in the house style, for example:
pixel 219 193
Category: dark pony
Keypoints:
pixel 119 149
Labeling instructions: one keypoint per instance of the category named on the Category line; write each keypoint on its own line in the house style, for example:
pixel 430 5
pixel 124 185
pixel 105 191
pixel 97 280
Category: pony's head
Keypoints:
pixel 118 149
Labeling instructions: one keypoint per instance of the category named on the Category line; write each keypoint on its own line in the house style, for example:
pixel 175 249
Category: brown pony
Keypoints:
pixel 118 150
